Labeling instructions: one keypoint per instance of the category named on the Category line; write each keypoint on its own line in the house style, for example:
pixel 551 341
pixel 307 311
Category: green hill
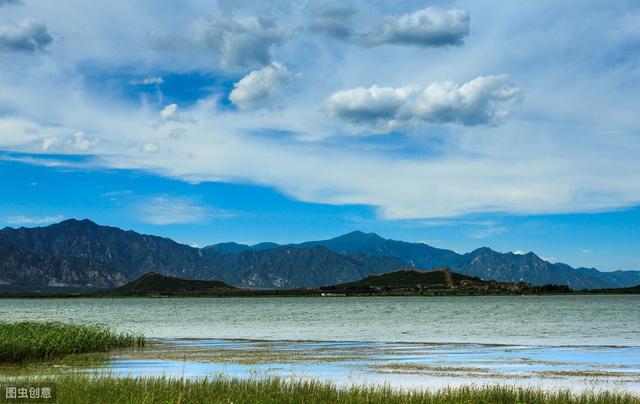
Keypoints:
pixel 410 278
pixel 439 281
pixel 153 283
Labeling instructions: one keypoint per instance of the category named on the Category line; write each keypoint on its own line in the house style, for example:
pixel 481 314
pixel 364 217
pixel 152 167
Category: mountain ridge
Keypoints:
pixel 81 253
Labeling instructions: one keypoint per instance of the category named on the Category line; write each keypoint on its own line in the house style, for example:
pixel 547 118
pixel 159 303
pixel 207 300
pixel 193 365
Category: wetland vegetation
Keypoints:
pixel 82 389
pixel 33 341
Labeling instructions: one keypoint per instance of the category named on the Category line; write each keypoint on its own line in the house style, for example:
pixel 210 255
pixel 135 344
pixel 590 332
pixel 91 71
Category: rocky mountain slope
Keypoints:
pixel 482 262
pixel 83 254
pixel 80 253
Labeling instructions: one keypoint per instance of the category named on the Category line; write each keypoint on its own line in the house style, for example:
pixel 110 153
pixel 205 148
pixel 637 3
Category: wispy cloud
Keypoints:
pixel 25 219
pixel 114 196
pixel 165 210
pixel 486 229
pixel 560 151
pixel 123 192
pixel 147 81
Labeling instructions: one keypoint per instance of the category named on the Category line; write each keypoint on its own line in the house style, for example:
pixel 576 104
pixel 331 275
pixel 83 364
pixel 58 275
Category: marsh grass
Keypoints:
pixel 107 389
pixel 33 341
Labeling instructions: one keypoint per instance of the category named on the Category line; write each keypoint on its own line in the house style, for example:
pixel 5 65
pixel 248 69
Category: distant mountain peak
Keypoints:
pixel 72 222
pixel 483 251
pixel 360 235
pixel 75 221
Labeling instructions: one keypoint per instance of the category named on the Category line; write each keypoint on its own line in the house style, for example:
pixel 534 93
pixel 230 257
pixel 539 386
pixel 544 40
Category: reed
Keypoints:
pixel 77 388
pixel 32 341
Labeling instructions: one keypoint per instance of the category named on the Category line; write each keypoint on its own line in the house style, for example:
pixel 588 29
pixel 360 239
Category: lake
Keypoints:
pixel 581 342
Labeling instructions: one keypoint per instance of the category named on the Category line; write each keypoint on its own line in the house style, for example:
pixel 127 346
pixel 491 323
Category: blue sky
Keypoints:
pixel 458 124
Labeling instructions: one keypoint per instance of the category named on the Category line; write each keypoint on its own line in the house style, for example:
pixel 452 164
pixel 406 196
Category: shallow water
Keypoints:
pixel 526 320
pixel 576 342
pixel 402 365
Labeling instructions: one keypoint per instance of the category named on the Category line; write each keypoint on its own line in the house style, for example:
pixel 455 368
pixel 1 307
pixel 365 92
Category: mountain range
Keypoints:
pixel 82 254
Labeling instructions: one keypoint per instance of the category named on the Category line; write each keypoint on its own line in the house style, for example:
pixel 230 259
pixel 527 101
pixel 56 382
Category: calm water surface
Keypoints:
pixel 575 342
pixel 528 320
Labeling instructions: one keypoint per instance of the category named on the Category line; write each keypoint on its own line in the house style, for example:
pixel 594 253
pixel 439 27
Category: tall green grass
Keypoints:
pixel 83 389
pixel 30 341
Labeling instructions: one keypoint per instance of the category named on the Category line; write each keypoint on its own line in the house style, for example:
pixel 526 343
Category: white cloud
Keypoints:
pixel 114 195
pixel 427 27
pixel 25 36
pixel 147 81
pixel 519 252
pixel 585 251
pixel 240 42
pixel 171 113
pixel 563 151
pixel 31 220
pixel 80 142
pixel 261 87
pixel 485 100
pixel 486 231
pixel 163 210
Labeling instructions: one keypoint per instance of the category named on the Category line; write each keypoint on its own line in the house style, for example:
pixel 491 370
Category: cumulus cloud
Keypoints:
pixel 163 210
pixel 427 27
pixel 241 43
pixel 563 153
pixel 260 87
pixel 25 36
pixel 485 100
pixel 332 17
pixel 171 113
pixel 147 81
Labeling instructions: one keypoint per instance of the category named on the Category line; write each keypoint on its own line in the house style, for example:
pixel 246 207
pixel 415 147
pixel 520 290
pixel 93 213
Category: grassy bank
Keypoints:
pixel 82 389
pixel 31 341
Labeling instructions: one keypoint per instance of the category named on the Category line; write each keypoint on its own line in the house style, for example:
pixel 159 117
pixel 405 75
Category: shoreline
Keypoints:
pixel 401 366
pixel 286 294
